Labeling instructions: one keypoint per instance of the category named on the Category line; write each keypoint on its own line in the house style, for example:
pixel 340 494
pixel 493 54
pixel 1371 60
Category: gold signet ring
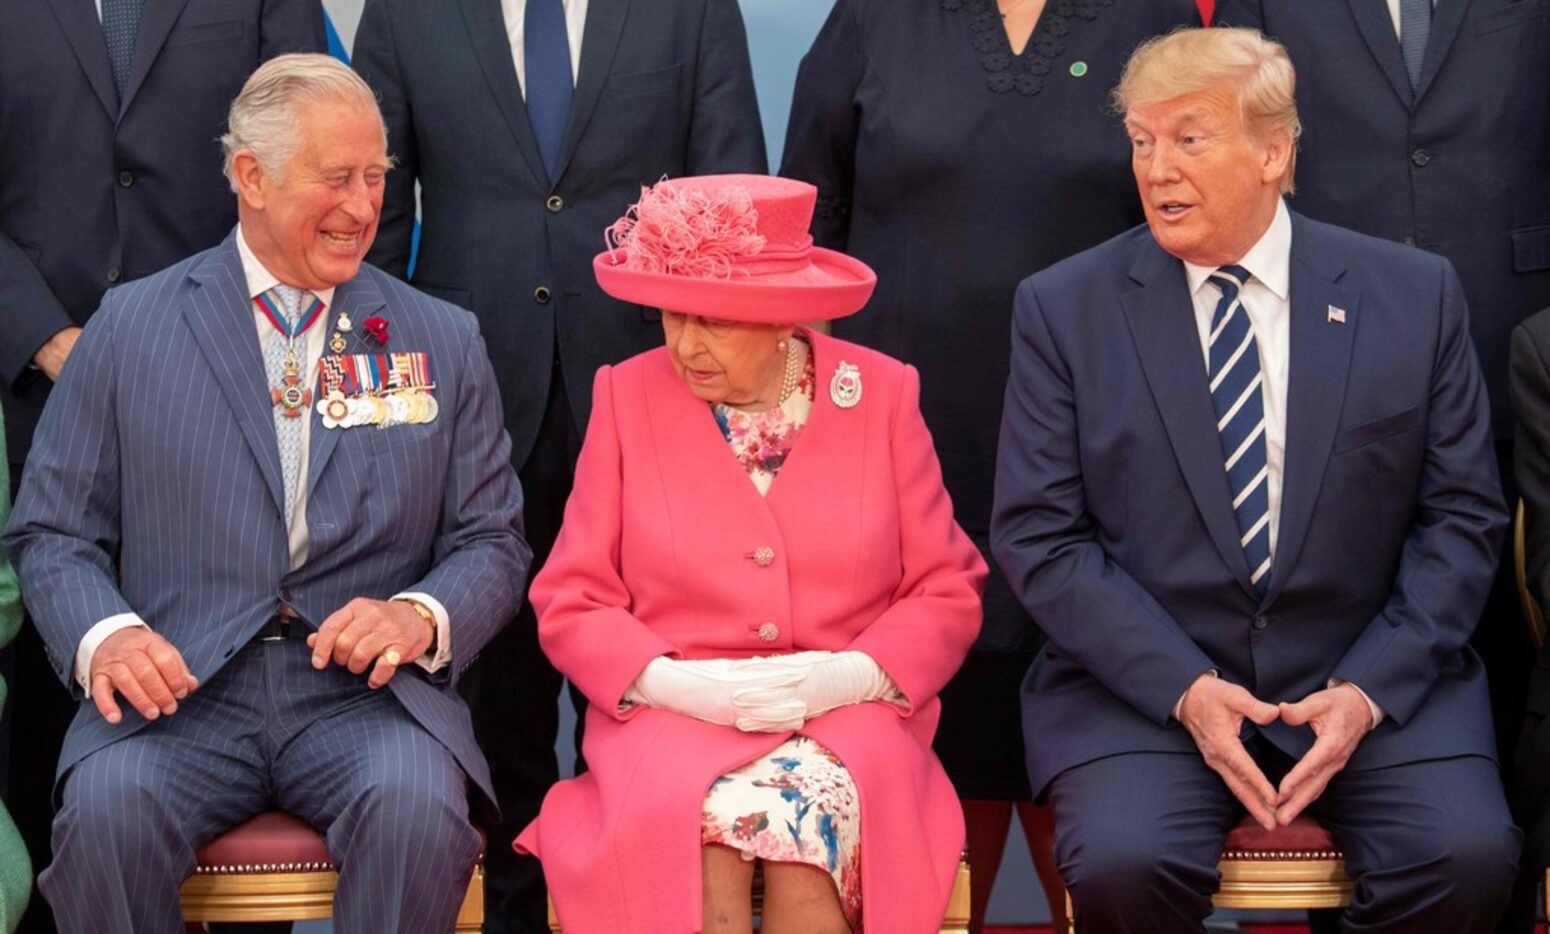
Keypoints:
pixel 392 657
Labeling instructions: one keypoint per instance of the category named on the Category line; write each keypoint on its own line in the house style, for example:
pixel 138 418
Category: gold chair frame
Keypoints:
pixel 1533 616
pixel 956 921
pixel 290 892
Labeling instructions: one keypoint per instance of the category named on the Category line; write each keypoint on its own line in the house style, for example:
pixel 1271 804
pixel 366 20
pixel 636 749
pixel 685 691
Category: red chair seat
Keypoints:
pixel 1303 839
pixel 273 841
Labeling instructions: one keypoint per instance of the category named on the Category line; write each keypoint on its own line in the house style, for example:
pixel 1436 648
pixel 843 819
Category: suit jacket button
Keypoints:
pixel 115 274
pixel 541 295
pixel 126 178
pixel 768 632
pixel 1420 158
pixel 1409 241
pixel 1261 622
pixel 555 204
pixel 763 556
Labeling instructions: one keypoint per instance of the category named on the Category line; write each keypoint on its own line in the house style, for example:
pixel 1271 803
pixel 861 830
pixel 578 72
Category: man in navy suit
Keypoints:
pixel 530 125
pixel 272 483
pixel 1246 484
pixel 110 111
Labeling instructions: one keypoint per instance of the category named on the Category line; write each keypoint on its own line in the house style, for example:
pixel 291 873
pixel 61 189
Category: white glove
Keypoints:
pixel 829 679
pixel 720 691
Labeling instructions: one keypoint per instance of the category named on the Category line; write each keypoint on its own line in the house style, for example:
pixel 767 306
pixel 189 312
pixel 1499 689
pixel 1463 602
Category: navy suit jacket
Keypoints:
pixel 93 191
pixel 665 88
pixel 1460 168
pixel 1114 524
pixel 155 487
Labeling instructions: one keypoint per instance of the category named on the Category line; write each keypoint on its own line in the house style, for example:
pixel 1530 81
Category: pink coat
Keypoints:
pixel 655 558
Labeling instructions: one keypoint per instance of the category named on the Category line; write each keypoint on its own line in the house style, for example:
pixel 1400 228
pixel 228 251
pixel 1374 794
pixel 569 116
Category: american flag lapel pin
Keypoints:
pixel 1335 315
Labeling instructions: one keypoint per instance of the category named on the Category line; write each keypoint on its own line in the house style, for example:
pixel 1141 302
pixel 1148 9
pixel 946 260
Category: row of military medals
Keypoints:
pixel 374 389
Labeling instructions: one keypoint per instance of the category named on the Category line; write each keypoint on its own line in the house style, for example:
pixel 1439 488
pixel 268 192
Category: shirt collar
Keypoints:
pixel 261 280
pixel 1269 261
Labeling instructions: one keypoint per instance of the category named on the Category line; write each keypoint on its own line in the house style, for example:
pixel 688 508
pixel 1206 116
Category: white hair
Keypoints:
pixel 265 117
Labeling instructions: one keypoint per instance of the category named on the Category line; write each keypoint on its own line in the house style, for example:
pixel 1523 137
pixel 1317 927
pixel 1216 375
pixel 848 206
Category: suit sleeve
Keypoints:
pixel 583 605
pixel 725 135
pixel 291 26
pixel 825 121
pixel 1040 533
pixel 29 314
pixel 1531 453
pixel 1245 13
pixel 1448 559
pixel 923 636
pixel 479 560
pixel 63 534
pixel 376 59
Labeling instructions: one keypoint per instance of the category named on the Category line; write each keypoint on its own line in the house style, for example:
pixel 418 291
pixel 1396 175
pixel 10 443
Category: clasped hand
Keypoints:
pixel 360 634
pixel 761 695
pixel 1213 711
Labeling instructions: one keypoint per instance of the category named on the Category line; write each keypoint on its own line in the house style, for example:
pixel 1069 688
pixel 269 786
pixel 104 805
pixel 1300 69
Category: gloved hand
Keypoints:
pixel 721 691
pixel 829 679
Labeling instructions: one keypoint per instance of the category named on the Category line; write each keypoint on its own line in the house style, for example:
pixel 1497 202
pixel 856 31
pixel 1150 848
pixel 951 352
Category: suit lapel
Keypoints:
pixel 1162 324
pixel 1316 385
pixel 83 30
pixel 600 39
pixel 1445 28
pixel 487 34
pixel 155 23
pixel 1377 28
pixel 360 298
pixel 221 319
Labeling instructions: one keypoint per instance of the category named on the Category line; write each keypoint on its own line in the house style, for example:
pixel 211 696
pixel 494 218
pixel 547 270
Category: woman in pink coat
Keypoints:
pixel 760 588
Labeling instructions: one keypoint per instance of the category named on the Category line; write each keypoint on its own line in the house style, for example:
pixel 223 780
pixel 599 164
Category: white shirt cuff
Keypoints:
pixel 433 661
pixel 1180 702
pixel 1377 712
pixel 94 637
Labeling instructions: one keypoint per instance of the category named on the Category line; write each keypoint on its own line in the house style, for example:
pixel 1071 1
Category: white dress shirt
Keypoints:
pixel 1394 13
pixel 1266 298
pixel 259 281
pixel 515 12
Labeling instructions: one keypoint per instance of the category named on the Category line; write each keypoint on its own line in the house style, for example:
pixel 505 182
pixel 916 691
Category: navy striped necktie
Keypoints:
pixel 1237 396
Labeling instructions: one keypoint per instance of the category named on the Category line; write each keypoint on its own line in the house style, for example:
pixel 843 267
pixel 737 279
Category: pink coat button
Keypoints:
pixel 769 632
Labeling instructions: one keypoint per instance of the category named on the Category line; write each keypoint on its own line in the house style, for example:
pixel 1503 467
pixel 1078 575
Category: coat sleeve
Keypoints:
pixel 725 135
pixel 1531 451
pixel 1092 610
pixel 923 636
pixel 63 535
pixel 825 121
pixel 291 26
pixel 583 606
pixel 1448 560
pixel 480 559
pixel 29 314
pixel 376 58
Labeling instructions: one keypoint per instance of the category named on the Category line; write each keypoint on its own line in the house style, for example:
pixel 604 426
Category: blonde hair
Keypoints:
pixel 1189 61
pixel 265 117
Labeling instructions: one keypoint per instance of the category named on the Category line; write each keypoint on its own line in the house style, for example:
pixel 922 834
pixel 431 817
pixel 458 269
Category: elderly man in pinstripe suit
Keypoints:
pixel 278 547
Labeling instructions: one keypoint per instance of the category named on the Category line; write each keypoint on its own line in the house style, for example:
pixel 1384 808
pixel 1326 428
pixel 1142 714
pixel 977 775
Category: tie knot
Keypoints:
pixel 1230 279
pixel 288 298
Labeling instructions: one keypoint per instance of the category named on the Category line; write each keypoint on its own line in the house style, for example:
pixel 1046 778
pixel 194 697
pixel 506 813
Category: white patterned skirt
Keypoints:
pixel 796 804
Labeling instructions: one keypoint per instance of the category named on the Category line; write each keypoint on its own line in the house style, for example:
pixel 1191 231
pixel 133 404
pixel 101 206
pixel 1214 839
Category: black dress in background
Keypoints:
pixel 956 169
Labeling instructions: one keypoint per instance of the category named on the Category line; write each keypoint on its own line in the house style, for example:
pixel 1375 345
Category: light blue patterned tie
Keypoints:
pixel 1236 394
pixel 1415 27
pixel 120 26
pixel 287 429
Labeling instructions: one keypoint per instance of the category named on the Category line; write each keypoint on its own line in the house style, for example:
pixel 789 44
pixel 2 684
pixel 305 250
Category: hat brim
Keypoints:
pixel 833 286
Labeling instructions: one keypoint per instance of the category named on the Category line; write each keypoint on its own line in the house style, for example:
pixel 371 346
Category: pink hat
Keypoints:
pixel 733 247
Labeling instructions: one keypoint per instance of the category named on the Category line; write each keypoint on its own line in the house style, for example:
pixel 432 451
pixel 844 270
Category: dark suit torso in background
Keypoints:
pixel 92 194
pixel 664 87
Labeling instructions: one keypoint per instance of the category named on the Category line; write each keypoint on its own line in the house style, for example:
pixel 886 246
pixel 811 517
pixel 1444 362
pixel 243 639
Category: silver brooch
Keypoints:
pixel 845 387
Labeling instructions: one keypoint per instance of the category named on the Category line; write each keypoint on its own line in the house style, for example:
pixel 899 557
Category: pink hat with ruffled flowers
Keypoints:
pixel 734 247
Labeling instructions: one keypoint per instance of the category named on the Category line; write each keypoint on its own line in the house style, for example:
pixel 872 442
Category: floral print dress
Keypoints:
pixel 798 803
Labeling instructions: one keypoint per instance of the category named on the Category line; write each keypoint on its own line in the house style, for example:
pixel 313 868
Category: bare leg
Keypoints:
pixel 800 899
pixel 986 822
pixel 728 883
pixel 1039 827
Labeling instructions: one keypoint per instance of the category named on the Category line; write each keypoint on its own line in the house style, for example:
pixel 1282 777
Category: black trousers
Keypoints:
pixel 514 693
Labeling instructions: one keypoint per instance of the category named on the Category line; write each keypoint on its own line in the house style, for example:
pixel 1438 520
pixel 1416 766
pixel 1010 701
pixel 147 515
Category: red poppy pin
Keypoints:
pixel 377 329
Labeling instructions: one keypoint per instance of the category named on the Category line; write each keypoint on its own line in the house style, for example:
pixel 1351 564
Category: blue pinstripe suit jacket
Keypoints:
pixel 154 486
